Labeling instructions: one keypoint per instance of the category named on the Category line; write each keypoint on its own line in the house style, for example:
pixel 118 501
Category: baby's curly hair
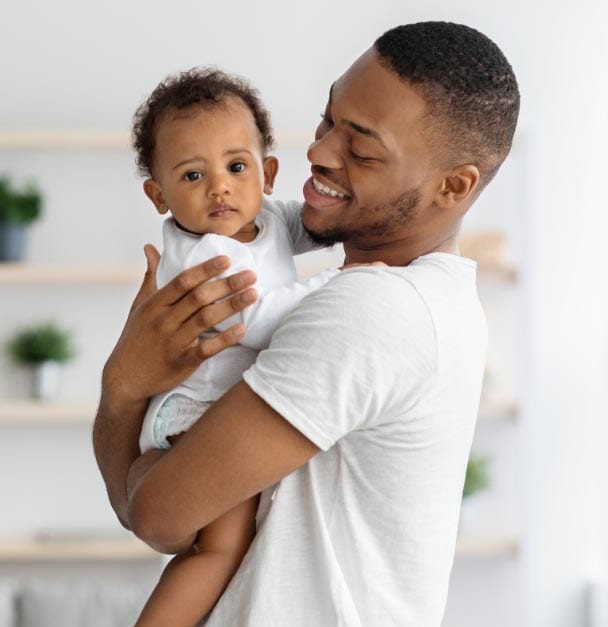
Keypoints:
pixel 199 87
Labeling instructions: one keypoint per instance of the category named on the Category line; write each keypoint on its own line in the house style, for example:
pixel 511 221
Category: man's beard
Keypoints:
pixel 391 215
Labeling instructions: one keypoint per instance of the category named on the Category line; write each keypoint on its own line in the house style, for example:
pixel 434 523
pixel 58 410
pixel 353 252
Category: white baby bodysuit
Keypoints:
pixel 270 256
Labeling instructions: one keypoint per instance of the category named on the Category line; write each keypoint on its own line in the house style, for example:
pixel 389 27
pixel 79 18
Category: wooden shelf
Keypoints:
pixel 58 139
pixel 74 548
pixel 18 273
pixel 110 139
pixel 36 273
pixel 116 548
pixel 486 546
pixel 504 274
pixel 494 410
pixel 31 412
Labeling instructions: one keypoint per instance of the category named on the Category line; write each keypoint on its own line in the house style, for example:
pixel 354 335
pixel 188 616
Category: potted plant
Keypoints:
pixel 42 348
pixel 18 208
pixel 477 479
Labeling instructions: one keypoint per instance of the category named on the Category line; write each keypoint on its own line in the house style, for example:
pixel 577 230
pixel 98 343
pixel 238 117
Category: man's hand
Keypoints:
pixel 159 346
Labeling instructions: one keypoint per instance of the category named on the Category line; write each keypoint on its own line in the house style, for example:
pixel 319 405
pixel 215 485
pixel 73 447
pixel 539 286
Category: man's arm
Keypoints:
pixel 159 348
pixel 241 447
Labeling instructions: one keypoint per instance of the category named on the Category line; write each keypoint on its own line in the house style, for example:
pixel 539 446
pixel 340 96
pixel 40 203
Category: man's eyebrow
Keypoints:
pixel 369 132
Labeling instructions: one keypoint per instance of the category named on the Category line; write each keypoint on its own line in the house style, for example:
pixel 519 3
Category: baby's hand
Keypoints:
pixel 356 265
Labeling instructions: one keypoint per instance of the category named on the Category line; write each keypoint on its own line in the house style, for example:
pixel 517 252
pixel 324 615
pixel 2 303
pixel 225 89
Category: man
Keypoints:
pixel 356 423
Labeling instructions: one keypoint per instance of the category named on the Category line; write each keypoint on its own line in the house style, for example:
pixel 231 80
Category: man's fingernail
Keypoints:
pixel 219 263
pixel 249 297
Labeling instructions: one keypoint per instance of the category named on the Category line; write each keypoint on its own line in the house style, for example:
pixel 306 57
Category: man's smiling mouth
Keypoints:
pixel 326 191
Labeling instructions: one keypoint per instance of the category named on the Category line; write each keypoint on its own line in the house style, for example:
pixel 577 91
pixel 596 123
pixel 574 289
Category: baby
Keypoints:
pixel 202 140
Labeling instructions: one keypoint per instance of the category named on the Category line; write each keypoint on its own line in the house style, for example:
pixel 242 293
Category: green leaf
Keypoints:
pixel 477 477
pixel 19 205
pixel 45 342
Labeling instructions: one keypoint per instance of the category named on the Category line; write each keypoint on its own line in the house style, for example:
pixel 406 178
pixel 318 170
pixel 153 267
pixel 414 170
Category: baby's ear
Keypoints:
pixel 271 167
pixel 155 193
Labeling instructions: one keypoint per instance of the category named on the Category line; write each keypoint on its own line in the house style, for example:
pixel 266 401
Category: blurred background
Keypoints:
pixel 532 550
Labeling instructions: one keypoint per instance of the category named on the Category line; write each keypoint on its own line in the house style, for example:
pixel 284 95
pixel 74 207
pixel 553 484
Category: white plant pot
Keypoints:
pixel 46 381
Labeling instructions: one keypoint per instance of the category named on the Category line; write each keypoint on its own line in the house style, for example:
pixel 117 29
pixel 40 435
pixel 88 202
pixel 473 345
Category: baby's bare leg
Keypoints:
pixel 193 582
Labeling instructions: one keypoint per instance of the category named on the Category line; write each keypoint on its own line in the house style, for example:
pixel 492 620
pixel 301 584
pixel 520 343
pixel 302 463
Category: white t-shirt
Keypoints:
pixel 382 369
pixel 270 255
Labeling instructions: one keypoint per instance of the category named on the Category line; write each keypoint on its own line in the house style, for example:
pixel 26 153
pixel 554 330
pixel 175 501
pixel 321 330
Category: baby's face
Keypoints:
pixel 210 170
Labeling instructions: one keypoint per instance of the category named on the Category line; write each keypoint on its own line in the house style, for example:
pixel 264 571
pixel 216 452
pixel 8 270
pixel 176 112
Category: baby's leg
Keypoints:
pixel 193 581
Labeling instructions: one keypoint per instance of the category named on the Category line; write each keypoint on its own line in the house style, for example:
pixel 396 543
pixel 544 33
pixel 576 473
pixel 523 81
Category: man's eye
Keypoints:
pixel 193 176
pixel 325 119
pixel 239 166
pixel 359 157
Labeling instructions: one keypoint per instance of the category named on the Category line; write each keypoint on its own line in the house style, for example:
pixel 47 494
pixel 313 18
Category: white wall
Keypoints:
pixel 67 64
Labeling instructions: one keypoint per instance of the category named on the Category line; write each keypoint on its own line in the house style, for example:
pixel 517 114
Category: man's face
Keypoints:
pixel 373 174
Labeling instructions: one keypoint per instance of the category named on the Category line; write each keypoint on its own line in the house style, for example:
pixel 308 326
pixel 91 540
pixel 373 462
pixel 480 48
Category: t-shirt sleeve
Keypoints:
pixel 352 355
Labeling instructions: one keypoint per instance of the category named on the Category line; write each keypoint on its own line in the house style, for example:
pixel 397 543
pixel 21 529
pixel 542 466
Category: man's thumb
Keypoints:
pixel 148 286
pixel 152 259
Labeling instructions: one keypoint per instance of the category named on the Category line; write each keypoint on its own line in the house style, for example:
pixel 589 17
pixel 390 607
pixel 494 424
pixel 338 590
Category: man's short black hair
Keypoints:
pixel 199 87
pixel 468 85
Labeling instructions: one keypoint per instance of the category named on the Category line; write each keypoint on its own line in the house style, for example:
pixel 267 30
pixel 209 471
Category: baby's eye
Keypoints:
pixel 239 166
pixel 193 176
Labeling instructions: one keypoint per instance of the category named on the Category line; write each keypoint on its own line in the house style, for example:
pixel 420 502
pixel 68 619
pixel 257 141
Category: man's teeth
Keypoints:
pixel 327 191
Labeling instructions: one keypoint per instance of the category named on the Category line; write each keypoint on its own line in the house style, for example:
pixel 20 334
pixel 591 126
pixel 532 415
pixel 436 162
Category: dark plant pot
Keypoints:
pixel 12 241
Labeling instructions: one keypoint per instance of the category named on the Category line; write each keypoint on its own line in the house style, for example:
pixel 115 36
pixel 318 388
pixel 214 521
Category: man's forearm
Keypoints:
pixel 158 348
pixel 116 446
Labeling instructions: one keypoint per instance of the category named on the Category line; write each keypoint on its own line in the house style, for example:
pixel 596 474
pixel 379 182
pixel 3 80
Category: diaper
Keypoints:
pixel 176 414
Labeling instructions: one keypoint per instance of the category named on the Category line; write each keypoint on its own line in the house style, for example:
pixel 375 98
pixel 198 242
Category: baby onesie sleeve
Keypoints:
pixel 266 314
pixel 290 212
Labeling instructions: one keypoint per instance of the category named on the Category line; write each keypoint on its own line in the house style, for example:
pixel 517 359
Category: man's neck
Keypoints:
pixel 398 253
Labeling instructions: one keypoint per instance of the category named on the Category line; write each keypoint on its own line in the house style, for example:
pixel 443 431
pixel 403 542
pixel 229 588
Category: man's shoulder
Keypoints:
pixel 365 283
pixel 365 298
pixel 398 299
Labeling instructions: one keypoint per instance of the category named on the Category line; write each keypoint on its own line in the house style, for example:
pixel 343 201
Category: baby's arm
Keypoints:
pixel 266 314
pixel 193 581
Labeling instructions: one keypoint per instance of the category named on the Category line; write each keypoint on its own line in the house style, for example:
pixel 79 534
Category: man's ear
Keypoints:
pixel 271 167
pixel 155 194
pixel 457 186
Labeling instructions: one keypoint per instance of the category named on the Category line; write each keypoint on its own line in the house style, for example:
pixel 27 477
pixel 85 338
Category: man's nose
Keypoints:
pixel 325 151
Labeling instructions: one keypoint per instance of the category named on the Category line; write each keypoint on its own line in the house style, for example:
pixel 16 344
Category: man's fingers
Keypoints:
pixel 148 285
pixel 189 279
pixel 207 317
pixel 203 296
pixel 209 347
